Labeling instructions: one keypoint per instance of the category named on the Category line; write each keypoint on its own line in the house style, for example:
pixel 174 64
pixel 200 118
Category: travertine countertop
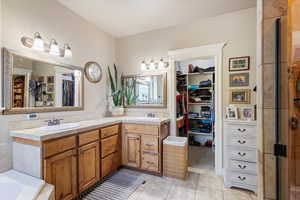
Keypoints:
pixel 42 135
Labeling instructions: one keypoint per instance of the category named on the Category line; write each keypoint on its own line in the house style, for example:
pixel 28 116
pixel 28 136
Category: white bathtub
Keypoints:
pixel 18 186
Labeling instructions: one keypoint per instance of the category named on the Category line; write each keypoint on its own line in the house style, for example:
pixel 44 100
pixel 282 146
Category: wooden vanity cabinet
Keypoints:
pixel 142 146
pixel 61 171
pixel 110 149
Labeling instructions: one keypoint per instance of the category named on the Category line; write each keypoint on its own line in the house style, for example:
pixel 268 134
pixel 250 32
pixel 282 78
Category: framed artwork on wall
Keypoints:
pixel 239 63
pixel 241 96
pixel 239 80
pixel 232 113
pixel 247 113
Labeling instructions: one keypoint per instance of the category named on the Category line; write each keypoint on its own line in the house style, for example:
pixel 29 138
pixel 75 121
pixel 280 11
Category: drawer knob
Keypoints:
pixel 242 154
pixel 242 167
pixel 242 142
pixel 242 178
pixel 241 130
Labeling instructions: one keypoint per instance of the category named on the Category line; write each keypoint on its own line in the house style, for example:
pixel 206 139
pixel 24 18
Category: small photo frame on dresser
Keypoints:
pixel 232 113
pixel 247 114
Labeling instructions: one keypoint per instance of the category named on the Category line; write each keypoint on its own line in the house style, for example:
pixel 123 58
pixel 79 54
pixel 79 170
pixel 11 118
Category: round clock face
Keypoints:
pixel 93 72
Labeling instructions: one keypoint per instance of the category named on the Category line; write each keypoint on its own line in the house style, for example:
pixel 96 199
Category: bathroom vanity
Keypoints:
pixel 77 158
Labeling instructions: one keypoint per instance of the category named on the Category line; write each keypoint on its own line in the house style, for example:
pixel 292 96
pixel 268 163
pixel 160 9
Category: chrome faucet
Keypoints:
pixel 151 115
pixel 53 122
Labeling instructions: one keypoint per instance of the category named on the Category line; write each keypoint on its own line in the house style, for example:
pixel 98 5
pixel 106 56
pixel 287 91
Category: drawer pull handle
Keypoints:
pixel 242 178
pixel 242 154
pixel 149 145
pixel 242 167
pixel 241 130
pixel 242 142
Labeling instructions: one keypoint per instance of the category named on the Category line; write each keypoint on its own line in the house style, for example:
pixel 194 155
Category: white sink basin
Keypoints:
pixel 59 127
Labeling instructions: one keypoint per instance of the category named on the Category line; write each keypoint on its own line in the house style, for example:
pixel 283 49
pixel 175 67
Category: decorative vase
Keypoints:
pixel 117 111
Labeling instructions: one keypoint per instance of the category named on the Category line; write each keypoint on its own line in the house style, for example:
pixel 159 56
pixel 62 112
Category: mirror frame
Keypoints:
pixel 7 68
pixel 165 95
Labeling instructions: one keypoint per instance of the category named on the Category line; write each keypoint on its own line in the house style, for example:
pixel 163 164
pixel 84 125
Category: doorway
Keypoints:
pixel 205 134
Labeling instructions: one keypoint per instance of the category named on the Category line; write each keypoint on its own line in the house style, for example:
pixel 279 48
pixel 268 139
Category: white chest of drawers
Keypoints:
pixel 240 154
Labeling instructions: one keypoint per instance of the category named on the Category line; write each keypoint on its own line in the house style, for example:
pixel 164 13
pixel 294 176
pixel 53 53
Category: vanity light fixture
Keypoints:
pixel 68 51
pixel 152 65
pixel 54 48
pixel 38 42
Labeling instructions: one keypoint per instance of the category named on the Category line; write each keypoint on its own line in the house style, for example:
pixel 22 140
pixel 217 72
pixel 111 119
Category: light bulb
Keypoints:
pixel 143 66
pixel 54 48
pixel 152 65
pixel 68 51
pixel 38 42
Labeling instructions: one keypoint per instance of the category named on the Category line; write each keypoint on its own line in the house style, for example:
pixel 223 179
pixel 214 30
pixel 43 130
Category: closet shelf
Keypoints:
pixel 199 133
pixel 200 103
pixel 199 118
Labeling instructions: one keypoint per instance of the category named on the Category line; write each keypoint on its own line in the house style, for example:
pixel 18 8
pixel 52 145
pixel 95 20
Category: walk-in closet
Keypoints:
pixel 195 109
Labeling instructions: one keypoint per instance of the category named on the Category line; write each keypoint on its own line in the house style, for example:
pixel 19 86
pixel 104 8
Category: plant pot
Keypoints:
pixel 117 111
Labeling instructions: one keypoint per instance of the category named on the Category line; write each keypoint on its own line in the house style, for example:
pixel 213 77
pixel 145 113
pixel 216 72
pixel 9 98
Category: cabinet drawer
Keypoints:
pixel 243 167
pixel 88 137
pixel 242 154
pixel 109 145
pixel 240 178
pixel 60 145
pixel 138 128
pixel 106 165
pixel 243 142
pixel 109 131
pixel 149 144
pixel 150 161
pixel 242 131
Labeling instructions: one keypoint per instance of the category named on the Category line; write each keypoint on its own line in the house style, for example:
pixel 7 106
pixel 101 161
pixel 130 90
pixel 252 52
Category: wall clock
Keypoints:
pixel 93 72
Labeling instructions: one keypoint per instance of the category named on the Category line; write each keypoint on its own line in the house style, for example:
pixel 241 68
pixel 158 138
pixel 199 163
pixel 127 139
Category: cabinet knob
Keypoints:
pixel 242 154
pixel 241 142
pixel 242 167
pixel 242 178
pixel 241 130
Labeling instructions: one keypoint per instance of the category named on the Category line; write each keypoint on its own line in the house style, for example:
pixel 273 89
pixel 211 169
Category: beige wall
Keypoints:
pixel 238 29
pixel 52 20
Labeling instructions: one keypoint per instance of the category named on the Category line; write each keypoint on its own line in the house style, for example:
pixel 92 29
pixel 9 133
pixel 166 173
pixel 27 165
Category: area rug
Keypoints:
pixel 117 187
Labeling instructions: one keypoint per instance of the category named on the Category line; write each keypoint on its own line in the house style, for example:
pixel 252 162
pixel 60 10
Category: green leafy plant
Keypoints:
pixel 129 92
pixel 116 88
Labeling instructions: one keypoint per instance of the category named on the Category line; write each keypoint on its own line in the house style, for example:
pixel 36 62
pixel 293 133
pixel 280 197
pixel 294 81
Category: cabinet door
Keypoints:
pixel 106 165
pixel 132 150
pixel 116 160
pixel 60 170
pixel 88 165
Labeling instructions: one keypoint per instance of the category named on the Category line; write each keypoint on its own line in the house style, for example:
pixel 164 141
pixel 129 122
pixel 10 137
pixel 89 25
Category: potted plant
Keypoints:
pixel 116 96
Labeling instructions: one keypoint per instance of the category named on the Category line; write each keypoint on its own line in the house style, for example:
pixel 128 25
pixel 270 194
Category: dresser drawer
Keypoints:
pixel 149 143
pixel 242 154
pixel 60 145
pixel 109 145
pixel 109 131
pixel 240 178
pixel 242 142
pixel 138 128
pixel 242 131
pixel 91 136
pixel 149 162
pixel 243 167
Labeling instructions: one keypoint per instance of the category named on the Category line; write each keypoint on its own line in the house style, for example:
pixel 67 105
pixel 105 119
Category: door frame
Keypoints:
pixel 216 51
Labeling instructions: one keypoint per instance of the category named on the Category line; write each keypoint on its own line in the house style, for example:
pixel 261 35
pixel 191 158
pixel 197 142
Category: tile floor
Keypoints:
pixel 201 183
pixel 195 187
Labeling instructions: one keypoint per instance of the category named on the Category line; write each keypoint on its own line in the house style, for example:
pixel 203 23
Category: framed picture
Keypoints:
pixel 239 80
pixel 50 88
pixel 50 79
pixel 232 113
pixel 240 96
pixel 247 114
pixel 239 63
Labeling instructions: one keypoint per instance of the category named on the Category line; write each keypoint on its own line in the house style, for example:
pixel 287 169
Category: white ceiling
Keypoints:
pixel 128 17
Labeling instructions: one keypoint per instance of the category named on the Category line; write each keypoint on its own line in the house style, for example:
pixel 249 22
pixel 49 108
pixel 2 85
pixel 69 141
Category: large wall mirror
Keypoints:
pixel 145 91
pixel 32 85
